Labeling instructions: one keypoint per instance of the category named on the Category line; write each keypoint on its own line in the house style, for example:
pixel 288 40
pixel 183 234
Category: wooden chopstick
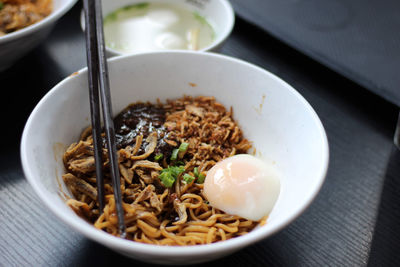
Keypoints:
pixel 98 77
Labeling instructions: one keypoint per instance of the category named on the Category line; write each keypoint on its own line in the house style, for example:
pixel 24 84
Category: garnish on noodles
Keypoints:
pixel 165 151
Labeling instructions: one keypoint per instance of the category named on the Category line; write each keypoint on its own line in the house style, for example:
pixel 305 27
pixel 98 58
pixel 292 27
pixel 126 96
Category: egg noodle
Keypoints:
pixel 176 214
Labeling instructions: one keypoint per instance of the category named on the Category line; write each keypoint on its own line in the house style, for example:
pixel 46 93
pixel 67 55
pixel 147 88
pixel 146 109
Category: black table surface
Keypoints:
pixel 354 221
pixel 356 38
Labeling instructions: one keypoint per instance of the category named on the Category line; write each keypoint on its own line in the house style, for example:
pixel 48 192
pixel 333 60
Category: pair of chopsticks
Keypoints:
pixel 99 91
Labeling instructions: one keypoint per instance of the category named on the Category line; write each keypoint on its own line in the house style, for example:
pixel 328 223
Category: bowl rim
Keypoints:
pixel 52 17
pixel 214 45
pixel 128 246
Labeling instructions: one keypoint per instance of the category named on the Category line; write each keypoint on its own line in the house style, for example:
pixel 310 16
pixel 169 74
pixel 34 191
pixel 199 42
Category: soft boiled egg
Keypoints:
pixel 243 185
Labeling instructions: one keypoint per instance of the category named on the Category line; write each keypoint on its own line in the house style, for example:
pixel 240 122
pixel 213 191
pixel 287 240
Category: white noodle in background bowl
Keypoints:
pixel 15 45
pixel 284 129
pixel 218 13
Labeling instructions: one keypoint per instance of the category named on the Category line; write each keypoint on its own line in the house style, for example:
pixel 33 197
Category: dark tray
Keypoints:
pixel 354 221
pixel 358 39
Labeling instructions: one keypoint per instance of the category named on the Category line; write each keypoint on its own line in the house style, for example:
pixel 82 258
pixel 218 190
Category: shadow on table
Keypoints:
pixel 264 253
pixel 385 243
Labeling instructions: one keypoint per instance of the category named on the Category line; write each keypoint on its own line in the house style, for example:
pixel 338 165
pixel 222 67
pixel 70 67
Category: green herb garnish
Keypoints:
pixel 158 157
pixel 111 17
pixel 182 150
pixel 175 170
pixel 169 175
pixel 183 147
pixel 201 178
pixel 200 18
pixel 174 155
pixel 138 6
pixel 141 5
pixel 188 178
pixel 167 179
pixel 1 5
pixel 203 21
pixel 196 172
pixel 179 163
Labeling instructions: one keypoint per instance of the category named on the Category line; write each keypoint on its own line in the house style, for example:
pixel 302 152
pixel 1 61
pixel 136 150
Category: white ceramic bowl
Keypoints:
pixel 16 44
pixel 283 126
pixel 219 13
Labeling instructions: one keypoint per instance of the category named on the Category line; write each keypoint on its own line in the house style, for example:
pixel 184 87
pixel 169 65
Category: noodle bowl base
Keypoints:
pixel 284 129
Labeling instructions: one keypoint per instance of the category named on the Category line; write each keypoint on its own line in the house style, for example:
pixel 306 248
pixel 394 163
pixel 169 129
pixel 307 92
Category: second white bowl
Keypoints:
pixel 16 44
pixel 219 13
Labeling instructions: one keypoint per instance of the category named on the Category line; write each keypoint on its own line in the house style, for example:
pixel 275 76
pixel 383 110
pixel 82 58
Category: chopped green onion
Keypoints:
pixel 174 155
pixel 182 150
pixel 158 157
pixel 196 172
pixel 141 5
pixel 169 175
pixel 111 17
pixel 179 163
pixel 167 179
pixel 201 178
pixel 175 170
pixel 138 6
pixel 183 147
pixel 188 178
pixel 200 18
pixel 1 5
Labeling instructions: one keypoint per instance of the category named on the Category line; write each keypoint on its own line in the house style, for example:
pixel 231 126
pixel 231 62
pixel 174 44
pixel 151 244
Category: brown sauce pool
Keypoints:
pixel 142 119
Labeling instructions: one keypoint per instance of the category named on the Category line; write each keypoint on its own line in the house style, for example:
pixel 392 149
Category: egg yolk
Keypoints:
pixel 243 185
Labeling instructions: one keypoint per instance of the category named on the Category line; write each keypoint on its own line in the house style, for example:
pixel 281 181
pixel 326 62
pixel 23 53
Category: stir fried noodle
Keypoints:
pixel 156 210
